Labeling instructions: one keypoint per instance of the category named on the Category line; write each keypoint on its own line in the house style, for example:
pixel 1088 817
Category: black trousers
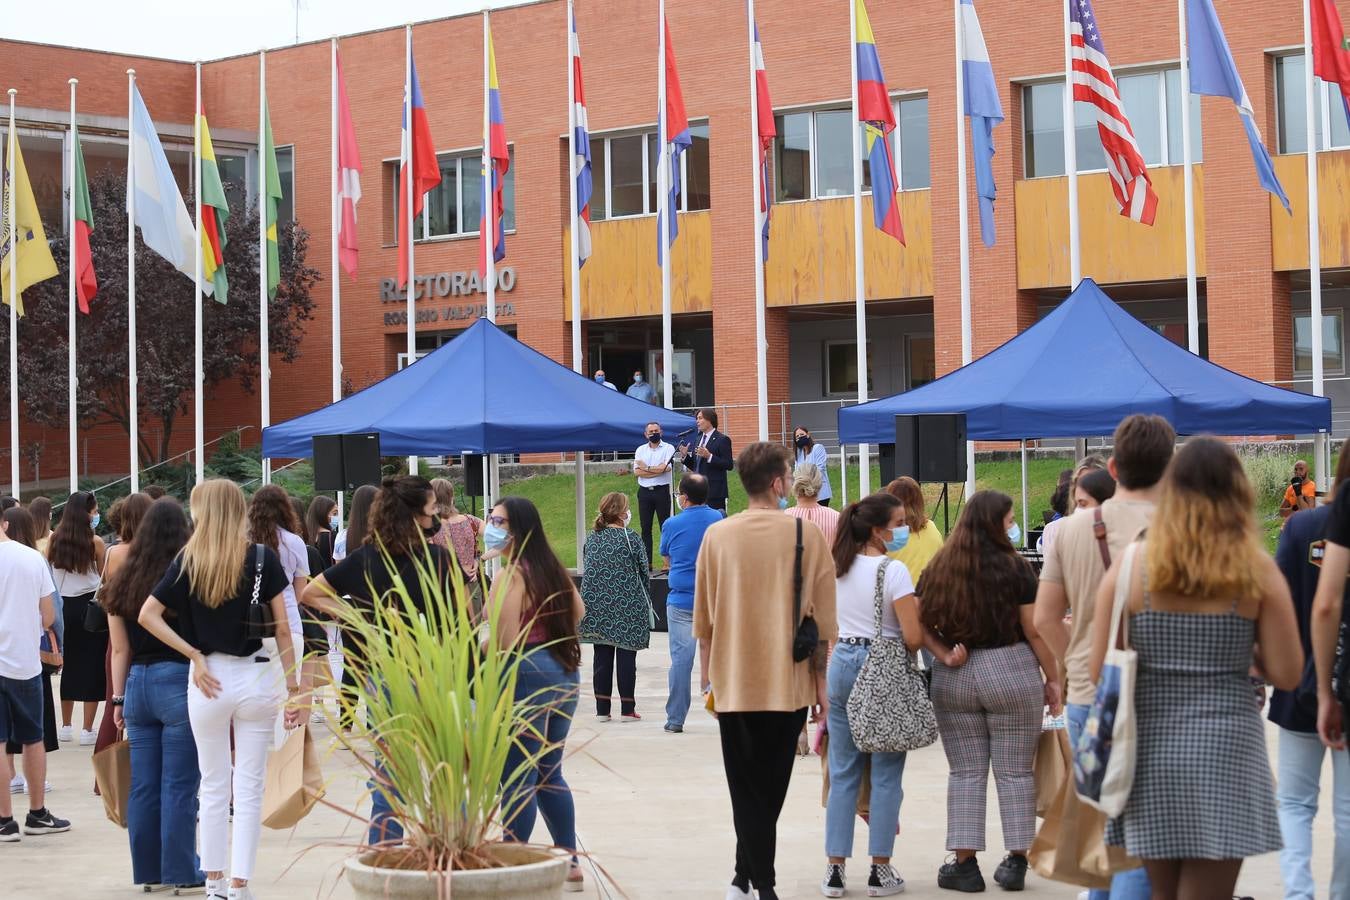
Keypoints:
pixel 653 500
pixel 718 503
pixel 758 749
pixel 603 682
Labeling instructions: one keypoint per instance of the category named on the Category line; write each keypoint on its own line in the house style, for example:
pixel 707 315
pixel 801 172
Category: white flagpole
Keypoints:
pixel 408 234
pixel 11 171
pixel 489 211
pixel 1071 152
pixel 663 210
pixel 71 383
pixel 1188 188
pixel 132 412
pixel 574 272
pixel 1321 459
pixel 859 273
pixel 333 262
pixel 761 329
pixel 264 348
pixel 198 379
pixel 963 209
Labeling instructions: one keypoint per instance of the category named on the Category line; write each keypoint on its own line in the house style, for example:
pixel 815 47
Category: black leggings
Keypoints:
pixel 604 678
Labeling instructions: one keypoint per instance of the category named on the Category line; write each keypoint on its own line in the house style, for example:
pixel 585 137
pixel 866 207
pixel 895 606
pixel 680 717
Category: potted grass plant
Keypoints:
pixel 442 718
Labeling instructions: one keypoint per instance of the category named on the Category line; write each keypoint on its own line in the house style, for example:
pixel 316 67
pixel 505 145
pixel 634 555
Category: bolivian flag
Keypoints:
pixel 86 285
pixel 35 261
pixel 215 210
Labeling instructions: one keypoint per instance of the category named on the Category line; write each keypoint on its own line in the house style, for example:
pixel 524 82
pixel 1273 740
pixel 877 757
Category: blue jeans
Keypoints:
pixel 1300 768
pixel 847 764
pixel 682 647
pixel 385 828
pixel 162 803
pixel 1131 885
pixel 542 789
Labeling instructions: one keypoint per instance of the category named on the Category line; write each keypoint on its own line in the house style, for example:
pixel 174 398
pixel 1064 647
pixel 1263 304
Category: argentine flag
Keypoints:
pixel 159 209
pixel 981 105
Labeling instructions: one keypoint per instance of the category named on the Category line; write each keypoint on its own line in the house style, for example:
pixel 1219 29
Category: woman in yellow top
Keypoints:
pixel 924 537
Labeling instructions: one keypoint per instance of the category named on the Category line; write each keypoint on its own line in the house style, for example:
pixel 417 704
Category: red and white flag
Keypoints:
pixel 349 179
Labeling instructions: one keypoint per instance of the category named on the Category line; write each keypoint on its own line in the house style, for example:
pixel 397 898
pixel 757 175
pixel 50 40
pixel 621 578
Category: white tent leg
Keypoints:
pixel 1024 492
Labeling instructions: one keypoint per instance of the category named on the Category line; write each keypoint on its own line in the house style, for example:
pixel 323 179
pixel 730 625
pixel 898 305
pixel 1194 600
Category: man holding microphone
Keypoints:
pixel 652 464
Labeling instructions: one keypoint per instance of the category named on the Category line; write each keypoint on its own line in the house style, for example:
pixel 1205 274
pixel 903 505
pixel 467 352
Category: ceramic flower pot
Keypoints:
pixel 526 873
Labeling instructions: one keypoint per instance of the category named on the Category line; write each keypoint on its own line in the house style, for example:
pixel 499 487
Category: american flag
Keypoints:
pixel 1093 84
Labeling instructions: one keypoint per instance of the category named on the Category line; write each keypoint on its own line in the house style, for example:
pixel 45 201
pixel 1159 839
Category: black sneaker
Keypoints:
pixel 832 885
pixel 961 876
pixel 43 822
pixel 672 728
pixel 884 881
pixel 1011 874
pixel 9 832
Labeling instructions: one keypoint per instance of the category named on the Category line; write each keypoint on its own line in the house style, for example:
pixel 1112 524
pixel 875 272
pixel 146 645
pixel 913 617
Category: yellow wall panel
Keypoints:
pixel 1289 233
pixel 1114 249
pixel 621 279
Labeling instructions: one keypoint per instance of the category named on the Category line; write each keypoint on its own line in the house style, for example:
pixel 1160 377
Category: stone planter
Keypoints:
pixel 529 873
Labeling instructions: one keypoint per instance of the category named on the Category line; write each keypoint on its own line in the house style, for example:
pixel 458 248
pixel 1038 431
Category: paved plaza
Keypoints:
pixel 652 810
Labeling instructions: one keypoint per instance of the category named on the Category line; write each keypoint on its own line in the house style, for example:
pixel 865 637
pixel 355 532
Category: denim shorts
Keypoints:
pixel 21 710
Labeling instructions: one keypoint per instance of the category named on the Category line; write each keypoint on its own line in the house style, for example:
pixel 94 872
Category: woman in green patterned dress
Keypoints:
pixel 619 614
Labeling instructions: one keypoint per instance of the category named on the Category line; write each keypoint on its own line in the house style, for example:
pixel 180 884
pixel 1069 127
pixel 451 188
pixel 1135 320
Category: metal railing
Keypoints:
pixel 186 454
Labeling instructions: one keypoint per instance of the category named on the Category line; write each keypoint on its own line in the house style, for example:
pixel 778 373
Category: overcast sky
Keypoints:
pixel 180 29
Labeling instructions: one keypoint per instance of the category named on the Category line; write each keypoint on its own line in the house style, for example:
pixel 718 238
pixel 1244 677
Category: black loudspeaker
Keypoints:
pixel 931 448
pixel 344 462
pixel 473 474
pixel 886 459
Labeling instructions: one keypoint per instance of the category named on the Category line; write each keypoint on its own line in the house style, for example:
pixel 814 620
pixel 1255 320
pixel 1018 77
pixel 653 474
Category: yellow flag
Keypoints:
pixel 35 257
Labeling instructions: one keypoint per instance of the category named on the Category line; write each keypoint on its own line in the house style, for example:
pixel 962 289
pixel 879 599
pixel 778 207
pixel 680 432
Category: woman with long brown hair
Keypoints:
pixel 618 606
pixel 1203 594
pixel 321 525
pixel 540 611
pixel 132 510
pixel 40 508
pixel 76 555
pixel 920 538
pixel 979 592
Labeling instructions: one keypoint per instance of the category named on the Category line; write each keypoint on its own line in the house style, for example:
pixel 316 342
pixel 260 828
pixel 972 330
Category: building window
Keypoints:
pixel 286 173
pixel 813 153
pixel 453 208
pixel 841 367
pixel 1178 332
pixel 1333 349
pixel 624 172
pixel 1290 118
pixel 920 361
pixel 1152 101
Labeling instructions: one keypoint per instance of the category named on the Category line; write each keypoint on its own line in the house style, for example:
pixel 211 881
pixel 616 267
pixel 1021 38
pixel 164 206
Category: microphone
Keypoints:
pixel 687 431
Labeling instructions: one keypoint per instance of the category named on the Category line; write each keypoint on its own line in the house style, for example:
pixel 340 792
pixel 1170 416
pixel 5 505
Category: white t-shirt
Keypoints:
pixel 25 579
pixel 654 458
pixel 339 548
pixel 855 596
pixel 295 561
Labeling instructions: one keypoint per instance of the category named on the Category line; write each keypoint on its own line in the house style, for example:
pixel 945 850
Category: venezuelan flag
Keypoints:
pixel 493 230
pixel 878 118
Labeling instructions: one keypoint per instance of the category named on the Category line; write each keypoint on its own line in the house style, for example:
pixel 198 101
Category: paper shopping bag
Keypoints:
pixel 1051 771
pixel 112 774
pixel 294 781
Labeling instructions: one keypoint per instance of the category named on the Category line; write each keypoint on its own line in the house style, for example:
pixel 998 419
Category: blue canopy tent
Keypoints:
pixel 1078 372
pixel 484 392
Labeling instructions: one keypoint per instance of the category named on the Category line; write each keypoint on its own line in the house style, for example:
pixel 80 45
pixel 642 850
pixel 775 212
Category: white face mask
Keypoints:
pixel 627 517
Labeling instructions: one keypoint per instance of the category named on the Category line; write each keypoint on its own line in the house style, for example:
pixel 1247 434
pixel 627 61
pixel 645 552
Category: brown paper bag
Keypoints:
pixel 1071 843
pixel 294 781
pixel 1051 769
pixel 112 774
pixel 864 803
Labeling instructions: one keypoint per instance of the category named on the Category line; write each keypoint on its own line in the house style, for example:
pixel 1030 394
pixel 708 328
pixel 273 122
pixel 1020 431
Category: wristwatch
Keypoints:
pixel 117 701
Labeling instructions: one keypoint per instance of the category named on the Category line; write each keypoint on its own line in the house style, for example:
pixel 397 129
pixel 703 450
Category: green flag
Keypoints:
pixel 215 210
pixel 271 192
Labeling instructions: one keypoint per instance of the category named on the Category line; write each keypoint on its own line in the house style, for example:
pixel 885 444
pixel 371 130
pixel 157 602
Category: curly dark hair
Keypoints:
pixel 269 511
pixel 393 515
pixel 161 535
pixel 970 590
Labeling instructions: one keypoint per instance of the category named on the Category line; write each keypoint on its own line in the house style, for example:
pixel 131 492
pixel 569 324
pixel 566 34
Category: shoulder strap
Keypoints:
pixel 878 598
pixel 1099 532
pixel 257 572
pixel 797 577
pixel 1124 582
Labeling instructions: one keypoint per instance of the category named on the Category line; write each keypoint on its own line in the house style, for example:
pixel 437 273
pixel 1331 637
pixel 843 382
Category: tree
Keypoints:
pixel 164 324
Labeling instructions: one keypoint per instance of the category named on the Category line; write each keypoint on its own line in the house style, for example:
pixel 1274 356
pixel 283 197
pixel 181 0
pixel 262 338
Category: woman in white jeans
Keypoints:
pixel 237 681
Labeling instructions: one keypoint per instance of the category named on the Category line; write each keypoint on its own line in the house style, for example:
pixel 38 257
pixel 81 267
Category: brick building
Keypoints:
pixel 1252 256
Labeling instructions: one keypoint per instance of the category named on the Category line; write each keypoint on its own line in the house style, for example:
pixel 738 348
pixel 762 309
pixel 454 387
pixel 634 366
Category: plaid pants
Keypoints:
pixel 990 710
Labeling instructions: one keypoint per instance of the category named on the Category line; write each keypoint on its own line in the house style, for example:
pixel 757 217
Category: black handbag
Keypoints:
pixel 95 616
pixel 807 635
pixel 258 620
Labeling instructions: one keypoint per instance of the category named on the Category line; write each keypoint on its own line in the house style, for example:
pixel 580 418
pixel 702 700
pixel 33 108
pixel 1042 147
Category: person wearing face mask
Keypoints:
pixel 807 479
pixel 865 577
pixel 615 590
pixel 806 450
pixel 920 537
pixel 681 539
pixel 641 390
pixel 602 381
pixel 744 602
pixel 77 556
pixel 653 465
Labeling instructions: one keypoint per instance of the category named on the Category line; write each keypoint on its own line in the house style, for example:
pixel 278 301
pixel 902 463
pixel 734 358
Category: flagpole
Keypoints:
pixel 12 172
pixel 963 216
pixel 198 381
pixel 336 222
pixel 71 384
pixel 489 208
pixel 132 412
pixel 1188 187
pixel 408 216
pixel 663 212
pixel 1071 153
pixel 574 271
pixel 859 273
pixel 761 328
pixel 1321 459
pixel 264 348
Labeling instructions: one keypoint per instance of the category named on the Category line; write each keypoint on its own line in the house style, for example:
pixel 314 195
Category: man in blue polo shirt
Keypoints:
pixel 681 537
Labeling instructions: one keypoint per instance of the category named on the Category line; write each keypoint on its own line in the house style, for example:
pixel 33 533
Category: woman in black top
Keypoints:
pixel 979 592
pixel 149 685
pixel 238 683
pixel 321 521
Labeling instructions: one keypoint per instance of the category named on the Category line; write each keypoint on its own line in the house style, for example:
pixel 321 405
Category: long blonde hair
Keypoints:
pixel 214 556
pixel 1203 541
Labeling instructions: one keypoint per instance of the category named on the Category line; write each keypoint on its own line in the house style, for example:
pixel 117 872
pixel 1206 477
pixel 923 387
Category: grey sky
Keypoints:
pixel 191 30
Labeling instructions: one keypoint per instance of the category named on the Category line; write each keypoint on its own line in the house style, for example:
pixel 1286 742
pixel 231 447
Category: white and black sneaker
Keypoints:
pixel 41 821
pixel 9 832
pixel 832 885
pixel 884 882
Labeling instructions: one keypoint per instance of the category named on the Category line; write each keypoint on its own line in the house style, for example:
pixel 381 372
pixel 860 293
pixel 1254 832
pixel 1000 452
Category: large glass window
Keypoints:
pixel 286 174
pixel 792 159
pixel 913 161
pixel 599 196
pixel 813 153
pixel 1290 118
pixel 1333 349
pixel 1152 102
pixel 627 175
pixel 841 367
pixel 624 171
pixel 920 360
pixel 454 207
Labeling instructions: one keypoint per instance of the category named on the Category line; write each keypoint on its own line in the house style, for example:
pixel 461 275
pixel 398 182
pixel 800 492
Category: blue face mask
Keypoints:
pixel 599 379
pixel 899 538
pixel 495 537
pixel 333 522
pixel 782 503
pixel 1015 534
pixel 94 520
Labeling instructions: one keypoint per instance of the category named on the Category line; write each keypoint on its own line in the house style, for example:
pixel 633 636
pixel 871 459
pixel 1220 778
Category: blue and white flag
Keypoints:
pixel 983 108
pixel 1213 72
pixel 159 209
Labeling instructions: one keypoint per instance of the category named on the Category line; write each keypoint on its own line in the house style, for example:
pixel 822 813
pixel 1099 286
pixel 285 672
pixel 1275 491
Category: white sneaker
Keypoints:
pixel 317 717
pixel 240 893
pixel 17 785
pixel 735 893
pixel 216 888
pixel 88 738
pixel 65 733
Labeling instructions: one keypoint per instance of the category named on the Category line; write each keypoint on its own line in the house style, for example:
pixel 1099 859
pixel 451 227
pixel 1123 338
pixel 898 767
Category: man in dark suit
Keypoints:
pixel 710 457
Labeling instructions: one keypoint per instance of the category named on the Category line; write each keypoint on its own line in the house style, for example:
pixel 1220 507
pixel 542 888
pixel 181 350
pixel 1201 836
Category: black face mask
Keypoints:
pixel 802 442
pixel 654 437
pixel 431 530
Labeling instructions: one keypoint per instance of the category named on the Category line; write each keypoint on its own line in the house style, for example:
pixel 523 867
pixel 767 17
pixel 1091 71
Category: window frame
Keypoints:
pixel 852 344
pixel 1323 106
pixel 909 357
pixel 391 164
pixel 648 169
pixel 1338 314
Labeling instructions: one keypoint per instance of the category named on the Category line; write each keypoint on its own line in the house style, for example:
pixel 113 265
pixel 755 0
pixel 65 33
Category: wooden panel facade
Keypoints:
pixel 1289 233
pixel 622 279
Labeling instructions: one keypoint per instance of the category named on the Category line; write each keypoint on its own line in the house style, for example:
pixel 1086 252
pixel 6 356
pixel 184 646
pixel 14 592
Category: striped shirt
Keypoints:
pixel 822 517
